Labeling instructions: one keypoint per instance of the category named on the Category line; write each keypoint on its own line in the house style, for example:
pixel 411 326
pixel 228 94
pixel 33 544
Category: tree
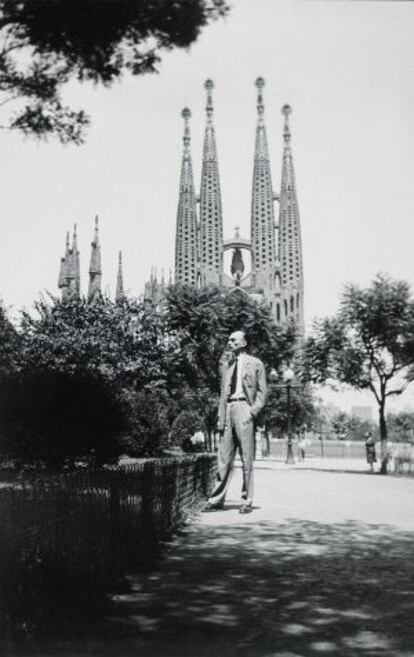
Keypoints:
pixel 9 343
pixel 52 418
pixel 201 321
pixel 184 426
pixel 122 342
pixel 351 427
pixel 401 426
pixel 368 344
pixel 46 43
pixel 77 375
pixel 152 365
pixel 302 408
pixel 150 416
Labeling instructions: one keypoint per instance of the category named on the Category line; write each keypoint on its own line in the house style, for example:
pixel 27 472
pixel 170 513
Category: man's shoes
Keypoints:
pixel 245 508
pixel 209 508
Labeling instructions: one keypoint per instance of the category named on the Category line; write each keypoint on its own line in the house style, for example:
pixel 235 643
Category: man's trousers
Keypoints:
pixel 238 434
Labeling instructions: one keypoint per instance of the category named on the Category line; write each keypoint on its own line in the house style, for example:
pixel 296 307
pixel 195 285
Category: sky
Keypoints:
pixel 346 68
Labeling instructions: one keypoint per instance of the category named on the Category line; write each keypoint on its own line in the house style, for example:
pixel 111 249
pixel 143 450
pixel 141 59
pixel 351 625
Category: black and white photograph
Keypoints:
pixel 207 328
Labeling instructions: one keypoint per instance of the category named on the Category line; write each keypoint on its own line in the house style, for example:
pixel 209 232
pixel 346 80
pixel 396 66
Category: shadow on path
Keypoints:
pixel 266 590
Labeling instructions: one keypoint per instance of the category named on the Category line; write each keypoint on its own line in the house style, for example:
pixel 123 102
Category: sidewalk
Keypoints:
pixel 323 566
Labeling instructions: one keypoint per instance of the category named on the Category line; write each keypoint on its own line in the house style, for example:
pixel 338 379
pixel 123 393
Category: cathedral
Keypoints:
pixel 267 265
pixel 273 251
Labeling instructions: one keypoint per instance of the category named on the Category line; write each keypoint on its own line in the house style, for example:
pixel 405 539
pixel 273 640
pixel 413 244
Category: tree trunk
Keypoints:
pixel 383 437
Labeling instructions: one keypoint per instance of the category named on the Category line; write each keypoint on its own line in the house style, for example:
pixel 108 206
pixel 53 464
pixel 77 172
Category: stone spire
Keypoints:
pixel 75 265
pixel 63 282
pixel 186 240
pixel 69 276
pixel 119 293
pixel 211 216
pixel 290 242
pixel 262 212
pixel 95 267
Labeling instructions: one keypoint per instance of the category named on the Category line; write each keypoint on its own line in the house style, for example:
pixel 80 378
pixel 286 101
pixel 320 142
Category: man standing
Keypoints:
pixel 243 395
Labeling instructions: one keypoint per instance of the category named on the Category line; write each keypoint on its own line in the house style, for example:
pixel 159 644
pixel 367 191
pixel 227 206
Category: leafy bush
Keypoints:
pixel 52 418
pixel 184 427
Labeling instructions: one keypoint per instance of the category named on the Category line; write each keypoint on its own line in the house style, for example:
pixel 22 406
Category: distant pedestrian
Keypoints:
pixel 389 454
pixel 370 450
pixel 302 447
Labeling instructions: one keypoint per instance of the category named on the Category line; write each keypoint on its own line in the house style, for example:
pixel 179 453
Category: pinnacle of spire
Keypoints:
pixel 209 150
pixel 288 175
pixel 186 114
pixel 119 294
pixel 74 237
pixel 260 83
pixel 69 271
pixel 209 86
pixel 261 149
pixel 95 264
pixel 186 181
pixel 286 111
pixel 73 265
pixel 95 267
pixel 96 238
pixel 64 269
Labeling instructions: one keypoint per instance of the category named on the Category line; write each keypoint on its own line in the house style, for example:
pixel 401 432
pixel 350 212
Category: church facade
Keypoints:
pixel 272 251
pixel 274 272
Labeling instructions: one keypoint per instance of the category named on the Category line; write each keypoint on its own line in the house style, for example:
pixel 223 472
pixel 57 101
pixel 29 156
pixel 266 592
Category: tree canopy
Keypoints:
pixel 75 377
pixel 401 426
pixel 302 408
pixel 9 343
pixel 368 344
pixel 203 320
pixel 112 340
pixel 45 43
pixel 148 366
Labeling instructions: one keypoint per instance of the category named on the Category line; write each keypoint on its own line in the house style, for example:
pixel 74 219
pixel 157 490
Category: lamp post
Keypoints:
pixel 287 378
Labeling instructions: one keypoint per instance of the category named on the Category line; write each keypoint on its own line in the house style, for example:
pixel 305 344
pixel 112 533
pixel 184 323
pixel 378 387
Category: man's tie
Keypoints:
pixel 233 382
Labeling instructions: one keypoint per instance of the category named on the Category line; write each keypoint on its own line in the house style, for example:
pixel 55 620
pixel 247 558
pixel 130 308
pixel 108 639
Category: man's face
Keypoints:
pixel 237 341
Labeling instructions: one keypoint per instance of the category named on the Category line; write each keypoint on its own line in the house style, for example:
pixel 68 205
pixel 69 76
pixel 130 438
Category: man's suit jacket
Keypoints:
pixel 254 386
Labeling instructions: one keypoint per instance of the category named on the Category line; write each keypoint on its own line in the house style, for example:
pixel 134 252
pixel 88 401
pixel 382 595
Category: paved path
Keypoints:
pixel 324 566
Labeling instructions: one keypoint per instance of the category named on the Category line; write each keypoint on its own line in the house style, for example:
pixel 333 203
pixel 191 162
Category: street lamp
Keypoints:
pixel 287 378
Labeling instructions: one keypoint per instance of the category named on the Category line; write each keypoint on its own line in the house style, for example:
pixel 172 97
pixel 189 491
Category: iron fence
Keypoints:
pixel 84 529
pixel 400 455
